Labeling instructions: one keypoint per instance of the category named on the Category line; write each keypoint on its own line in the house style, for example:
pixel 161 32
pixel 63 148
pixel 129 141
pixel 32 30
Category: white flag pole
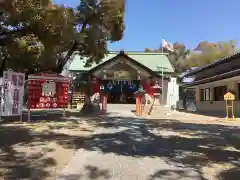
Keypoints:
pixel 162 86
pixel 162 46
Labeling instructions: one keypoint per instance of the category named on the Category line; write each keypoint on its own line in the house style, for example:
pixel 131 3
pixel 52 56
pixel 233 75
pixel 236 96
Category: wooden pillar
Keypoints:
pixel 211 93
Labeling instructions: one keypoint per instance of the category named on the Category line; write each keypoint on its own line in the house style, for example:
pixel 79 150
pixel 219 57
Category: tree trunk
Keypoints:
pixel 89 107
pixel 88 100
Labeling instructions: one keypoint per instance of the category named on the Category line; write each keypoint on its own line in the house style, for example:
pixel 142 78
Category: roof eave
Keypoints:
pixel 126 56
pixel 215 78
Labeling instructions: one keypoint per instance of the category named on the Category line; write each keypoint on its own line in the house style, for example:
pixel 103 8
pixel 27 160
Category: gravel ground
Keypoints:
pixel 38 150
pixel 126 147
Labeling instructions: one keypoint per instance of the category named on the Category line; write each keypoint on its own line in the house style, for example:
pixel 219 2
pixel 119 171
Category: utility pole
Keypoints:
pixel 162 68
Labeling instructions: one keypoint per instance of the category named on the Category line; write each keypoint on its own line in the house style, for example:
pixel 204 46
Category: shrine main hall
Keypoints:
pixel 121 73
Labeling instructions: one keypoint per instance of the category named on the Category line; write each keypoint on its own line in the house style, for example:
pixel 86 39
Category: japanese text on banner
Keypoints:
pixel 12 94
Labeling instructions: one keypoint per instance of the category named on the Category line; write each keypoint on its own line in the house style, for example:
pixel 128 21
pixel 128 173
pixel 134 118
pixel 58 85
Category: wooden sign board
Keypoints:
pixel 122 75
pixel 229 97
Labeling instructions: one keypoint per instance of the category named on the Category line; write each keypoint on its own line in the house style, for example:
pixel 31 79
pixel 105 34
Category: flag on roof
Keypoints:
pixel 167 45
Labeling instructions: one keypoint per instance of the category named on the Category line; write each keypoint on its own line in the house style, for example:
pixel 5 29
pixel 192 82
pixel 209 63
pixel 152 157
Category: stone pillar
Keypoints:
pixel 211 94
pixel 160 102
pixel 197 94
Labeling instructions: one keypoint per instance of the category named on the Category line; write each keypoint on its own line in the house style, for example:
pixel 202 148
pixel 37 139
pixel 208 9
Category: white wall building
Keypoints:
pixel 213 81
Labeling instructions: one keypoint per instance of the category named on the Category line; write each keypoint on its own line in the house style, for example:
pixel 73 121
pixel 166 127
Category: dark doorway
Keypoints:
pixel 121 91
pixel 219 93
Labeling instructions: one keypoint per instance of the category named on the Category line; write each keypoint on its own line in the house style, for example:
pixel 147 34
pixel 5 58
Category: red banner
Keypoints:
pixel 94 85
pixel 47 90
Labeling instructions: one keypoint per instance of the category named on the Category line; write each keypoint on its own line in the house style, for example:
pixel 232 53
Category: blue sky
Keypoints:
pixel 184 21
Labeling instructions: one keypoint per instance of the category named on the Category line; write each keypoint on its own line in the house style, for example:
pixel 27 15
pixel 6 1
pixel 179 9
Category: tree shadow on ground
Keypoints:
pixel 19 165
pixel 52 115
pixel 89 172
pixel 233 173
pixel 19 157
pixel 179 144
pixel 169 174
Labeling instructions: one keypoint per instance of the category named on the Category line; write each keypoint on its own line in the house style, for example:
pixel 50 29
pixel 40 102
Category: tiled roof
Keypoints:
pixel 151 60
pixel 214 78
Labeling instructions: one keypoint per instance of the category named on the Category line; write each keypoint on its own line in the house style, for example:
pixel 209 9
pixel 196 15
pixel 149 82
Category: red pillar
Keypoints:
pixel 138 106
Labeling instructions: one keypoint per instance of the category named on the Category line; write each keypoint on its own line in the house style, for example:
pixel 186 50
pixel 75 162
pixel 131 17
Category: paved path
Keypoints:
pixel 124 149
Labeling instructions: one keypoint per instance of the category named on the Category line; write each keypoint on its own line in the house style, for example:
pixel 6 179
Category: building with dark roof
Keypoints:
pixel 214 80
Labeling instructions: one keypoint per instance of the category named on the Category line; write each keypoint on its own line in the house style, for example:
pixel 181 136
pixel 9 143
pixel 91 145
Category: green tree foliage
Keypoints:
pixel 205 53
pixel 32 32
pixel 147 50
pixel 177 57
pixel 35 32
pixel 99 21
pixel 154 50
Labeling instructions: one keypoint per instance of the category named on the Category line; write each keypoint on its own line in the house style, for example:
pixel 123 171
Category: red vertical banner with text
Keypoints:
pixel 12 93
